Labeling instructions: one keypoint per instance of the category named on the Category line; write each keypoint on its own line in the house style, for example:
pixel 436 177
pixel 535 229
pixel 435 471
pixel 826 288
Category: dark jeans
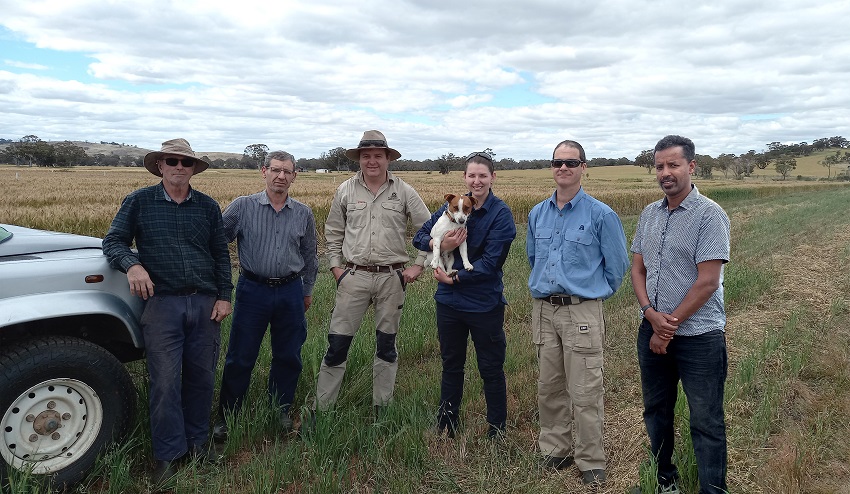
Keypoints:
pixel 181 343
pixel 701 364
pixel 488 337
pixel 257 308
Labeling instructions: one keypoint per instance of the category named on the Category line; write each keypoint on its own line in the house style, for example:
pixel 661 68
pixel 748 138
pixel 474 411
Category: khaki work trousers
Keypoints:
pixel 569 342
pixel 355 292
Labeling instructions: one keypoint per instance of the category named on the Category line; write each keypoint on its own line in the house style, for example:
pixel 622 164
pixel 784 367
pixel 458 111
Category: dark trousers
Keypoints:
pixel 700 362
pixel 258 307
pixel 488 336
pixel 181 343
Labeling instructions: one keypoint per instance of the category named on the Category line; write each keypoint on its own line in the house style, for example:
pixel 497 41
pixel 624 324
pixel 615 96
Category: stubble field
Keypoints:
pixel 787 401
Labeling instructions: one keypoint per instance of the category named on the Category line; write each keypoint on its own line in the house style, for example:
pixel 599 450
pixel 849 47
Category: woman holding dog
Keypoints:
pixel 471 303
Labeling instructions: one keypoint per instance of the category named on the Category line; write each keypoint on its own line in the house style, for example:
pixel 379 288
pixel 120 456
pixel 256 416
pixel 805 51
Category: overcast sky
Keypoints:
pixel 435 76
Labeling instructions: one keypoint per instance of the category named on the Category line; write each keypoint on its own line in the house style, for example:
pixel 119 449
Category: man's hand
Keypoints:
pixel 663 325
pixel 140 281
pixel 657 345
pixel 221 309
pixel 410 274
pixel 453 239
pixel 308 301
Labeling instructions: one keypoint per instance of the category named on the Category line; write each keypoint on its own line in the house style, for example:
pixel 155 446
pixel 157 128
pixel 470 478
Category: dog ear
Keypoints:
pixel 449 197
pixel 472 200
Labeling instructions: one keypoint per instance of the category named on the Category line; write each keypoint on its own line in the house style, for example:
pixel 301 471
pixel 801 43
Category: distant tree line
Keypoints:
pixel 781 157
pixel 30 150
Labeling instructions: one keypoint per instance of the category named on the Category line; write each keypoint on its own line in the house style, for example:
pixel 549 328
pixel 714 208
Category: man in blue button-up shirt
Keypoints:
pixel 577 250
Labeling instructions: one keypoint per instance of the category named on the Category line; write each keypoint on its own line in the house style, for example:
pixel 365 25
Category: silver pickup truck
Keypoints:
pixel 67 324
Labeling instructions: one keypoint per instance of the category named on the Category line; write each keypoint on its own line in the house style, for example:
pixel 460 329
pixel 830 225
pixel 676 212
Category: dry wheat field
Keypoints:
pixel 788 392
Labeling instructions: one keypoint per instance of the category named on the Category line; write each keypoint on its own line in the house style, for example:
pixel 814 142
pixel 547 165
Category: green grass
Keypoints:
pixel 787 396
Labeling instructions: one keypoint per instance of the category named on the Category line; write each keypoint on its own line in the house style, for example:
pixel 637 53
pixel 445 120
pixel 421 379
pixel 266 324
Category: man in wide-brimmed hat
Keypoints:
pixel 367 252
pixel 183 259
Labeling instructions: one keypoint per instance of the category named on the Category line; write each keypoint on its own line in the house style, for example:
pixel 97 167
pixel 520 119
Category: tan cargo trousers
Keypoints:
pixel 569 342
pixel 355 292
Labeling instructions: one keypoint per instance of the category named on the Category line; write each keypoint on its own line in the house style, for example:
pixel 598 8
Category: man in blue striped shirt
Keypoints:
pixel 276 238
pixel 680 247
pixel 577 250
pixel 183 255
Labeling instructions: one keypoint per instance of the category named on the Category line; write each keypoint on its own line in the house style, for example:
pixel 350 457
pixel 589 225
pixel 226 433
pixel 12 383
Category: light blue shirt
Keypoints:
pixel 578 250
pixel 672 243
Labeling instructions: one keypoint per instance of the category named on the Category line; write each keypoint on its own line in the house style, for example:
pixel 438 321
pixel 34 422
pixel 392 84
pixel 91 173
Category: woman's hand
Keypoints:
pixel 453 239
pixel 442 277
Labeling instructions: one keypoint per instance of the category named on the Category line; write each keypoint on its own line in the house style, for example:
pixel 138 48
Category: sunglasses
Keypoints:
pixel 569 163
pixel 479 154
pixel 187 162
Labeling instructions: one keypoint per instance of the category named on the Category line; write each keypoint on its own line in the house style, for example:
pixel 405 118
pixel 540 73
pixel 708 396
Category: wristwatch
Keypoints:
pixel 644 309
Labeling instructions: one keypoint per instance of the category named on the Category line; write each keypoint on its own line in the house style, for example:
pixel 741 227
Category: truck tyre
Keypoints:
pixel 63 400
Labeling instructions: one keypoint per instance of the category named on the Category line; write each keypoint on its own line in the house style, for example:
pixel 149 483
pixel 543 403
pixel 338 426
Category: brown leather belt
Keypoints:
pixel 270 281
pixel 565 299
pixel 374 268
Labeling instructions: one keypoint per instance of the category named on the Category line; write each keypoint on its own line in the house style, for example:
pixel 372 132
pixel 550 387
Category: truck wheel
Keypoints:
pixel 63 400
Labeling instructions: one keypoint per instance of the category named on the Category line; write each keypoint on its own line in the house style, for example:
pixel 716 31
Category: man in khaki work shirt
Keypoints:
pixel 366 247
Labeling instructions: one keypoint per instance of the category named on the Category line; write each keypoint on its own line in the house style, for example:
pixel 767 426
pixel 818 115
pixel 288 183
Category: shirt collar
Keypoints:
pixel 165 197
pixel 264 199
pixel 687 202
pixel 553 199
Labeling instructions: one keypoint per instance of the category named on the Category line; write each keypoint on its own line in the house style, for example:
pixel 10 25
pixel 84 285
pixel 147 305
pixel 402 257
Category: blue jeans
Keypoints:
pixel 181 343
pixel 701 364
pixel 488 336
pixel 257 308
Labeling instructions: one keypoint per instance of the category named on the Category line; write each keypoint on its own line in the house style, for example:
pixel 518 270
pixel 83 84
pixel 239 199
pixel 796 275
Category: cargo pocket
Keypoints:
pixel 587 337
pixel 589 386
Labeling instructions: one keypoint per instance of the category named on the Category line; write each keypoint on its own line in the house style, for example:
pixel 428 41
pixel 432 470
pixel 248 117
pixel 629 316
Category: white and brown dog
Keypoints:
pixel 454 218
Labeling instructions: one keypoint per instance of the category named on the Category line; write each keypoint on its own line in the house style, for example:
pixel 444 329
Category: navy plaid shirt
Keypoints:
pixel 182 246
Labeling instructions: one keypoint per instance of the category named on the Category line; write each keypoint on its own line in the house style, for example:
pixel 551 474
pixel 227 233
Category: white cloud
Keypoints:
pixel 435 75
pixel 24 65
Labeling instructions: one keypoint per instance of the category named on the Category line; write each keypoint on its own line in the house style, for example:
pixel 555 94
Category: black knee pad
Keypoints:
pixel 338 345
pixel 385 347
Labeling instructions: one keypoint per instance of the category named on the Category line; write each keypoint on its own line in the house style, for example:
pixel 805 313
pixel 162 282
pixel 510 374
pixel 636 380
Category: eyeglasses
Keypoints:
pixel 187 162
pixel 278 171
pixel 569 163
pixel 479 154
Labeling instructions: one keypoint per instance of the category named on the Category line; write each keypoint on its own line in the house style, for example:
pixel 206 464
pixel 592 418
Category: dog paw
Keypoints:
pixel 435 263
pixel 468 267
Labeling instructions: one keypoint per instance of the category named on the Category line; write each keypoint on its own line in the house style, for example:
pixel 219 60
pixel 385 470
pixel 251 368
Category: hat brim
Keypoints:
pixel 354 154
pixel 153 156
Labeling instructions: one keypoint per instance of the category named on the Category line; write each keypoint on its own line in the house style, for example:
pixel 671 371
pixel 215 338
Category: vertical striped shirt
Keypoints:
pixel 672 243
pixel 274 244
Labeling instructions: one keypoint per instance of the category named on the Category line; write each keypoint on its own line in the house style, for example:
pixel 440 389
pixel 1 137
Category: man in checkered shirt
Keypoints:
pixel 680 247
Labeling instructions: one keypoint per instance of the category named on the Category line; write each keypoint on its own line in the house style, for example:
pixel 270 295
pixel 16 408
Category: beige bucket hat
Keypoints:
pixel 178 146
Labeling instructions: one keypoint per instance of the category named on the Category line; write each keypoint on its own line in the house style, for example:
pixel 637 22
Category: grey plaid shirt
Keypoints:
pixel 672 243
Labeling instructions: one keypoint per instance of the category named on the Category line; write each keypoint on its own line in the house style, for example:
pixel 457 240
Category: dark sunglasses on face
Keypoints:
pixel 187 162
pixel 569 163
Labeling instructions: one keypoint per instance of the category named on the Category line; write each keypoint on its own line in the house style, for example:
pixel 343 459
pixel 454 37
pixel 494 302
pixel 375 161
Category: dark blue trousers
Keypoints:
pixel 181 344
pixel 259 307
pixel 488 336
pixel 700 362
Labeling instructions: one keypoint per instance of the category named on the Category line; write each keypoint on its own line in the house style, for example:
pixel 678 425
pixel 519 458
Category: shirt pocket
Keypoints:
pixel 576 243
pixel 542 243
pixel 392 215
pixel 356 214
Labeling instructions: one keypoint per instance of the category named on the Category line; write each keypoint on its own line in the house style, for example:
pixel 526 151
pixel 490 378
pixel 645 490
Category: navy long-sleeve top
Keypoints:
pixel 491 230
